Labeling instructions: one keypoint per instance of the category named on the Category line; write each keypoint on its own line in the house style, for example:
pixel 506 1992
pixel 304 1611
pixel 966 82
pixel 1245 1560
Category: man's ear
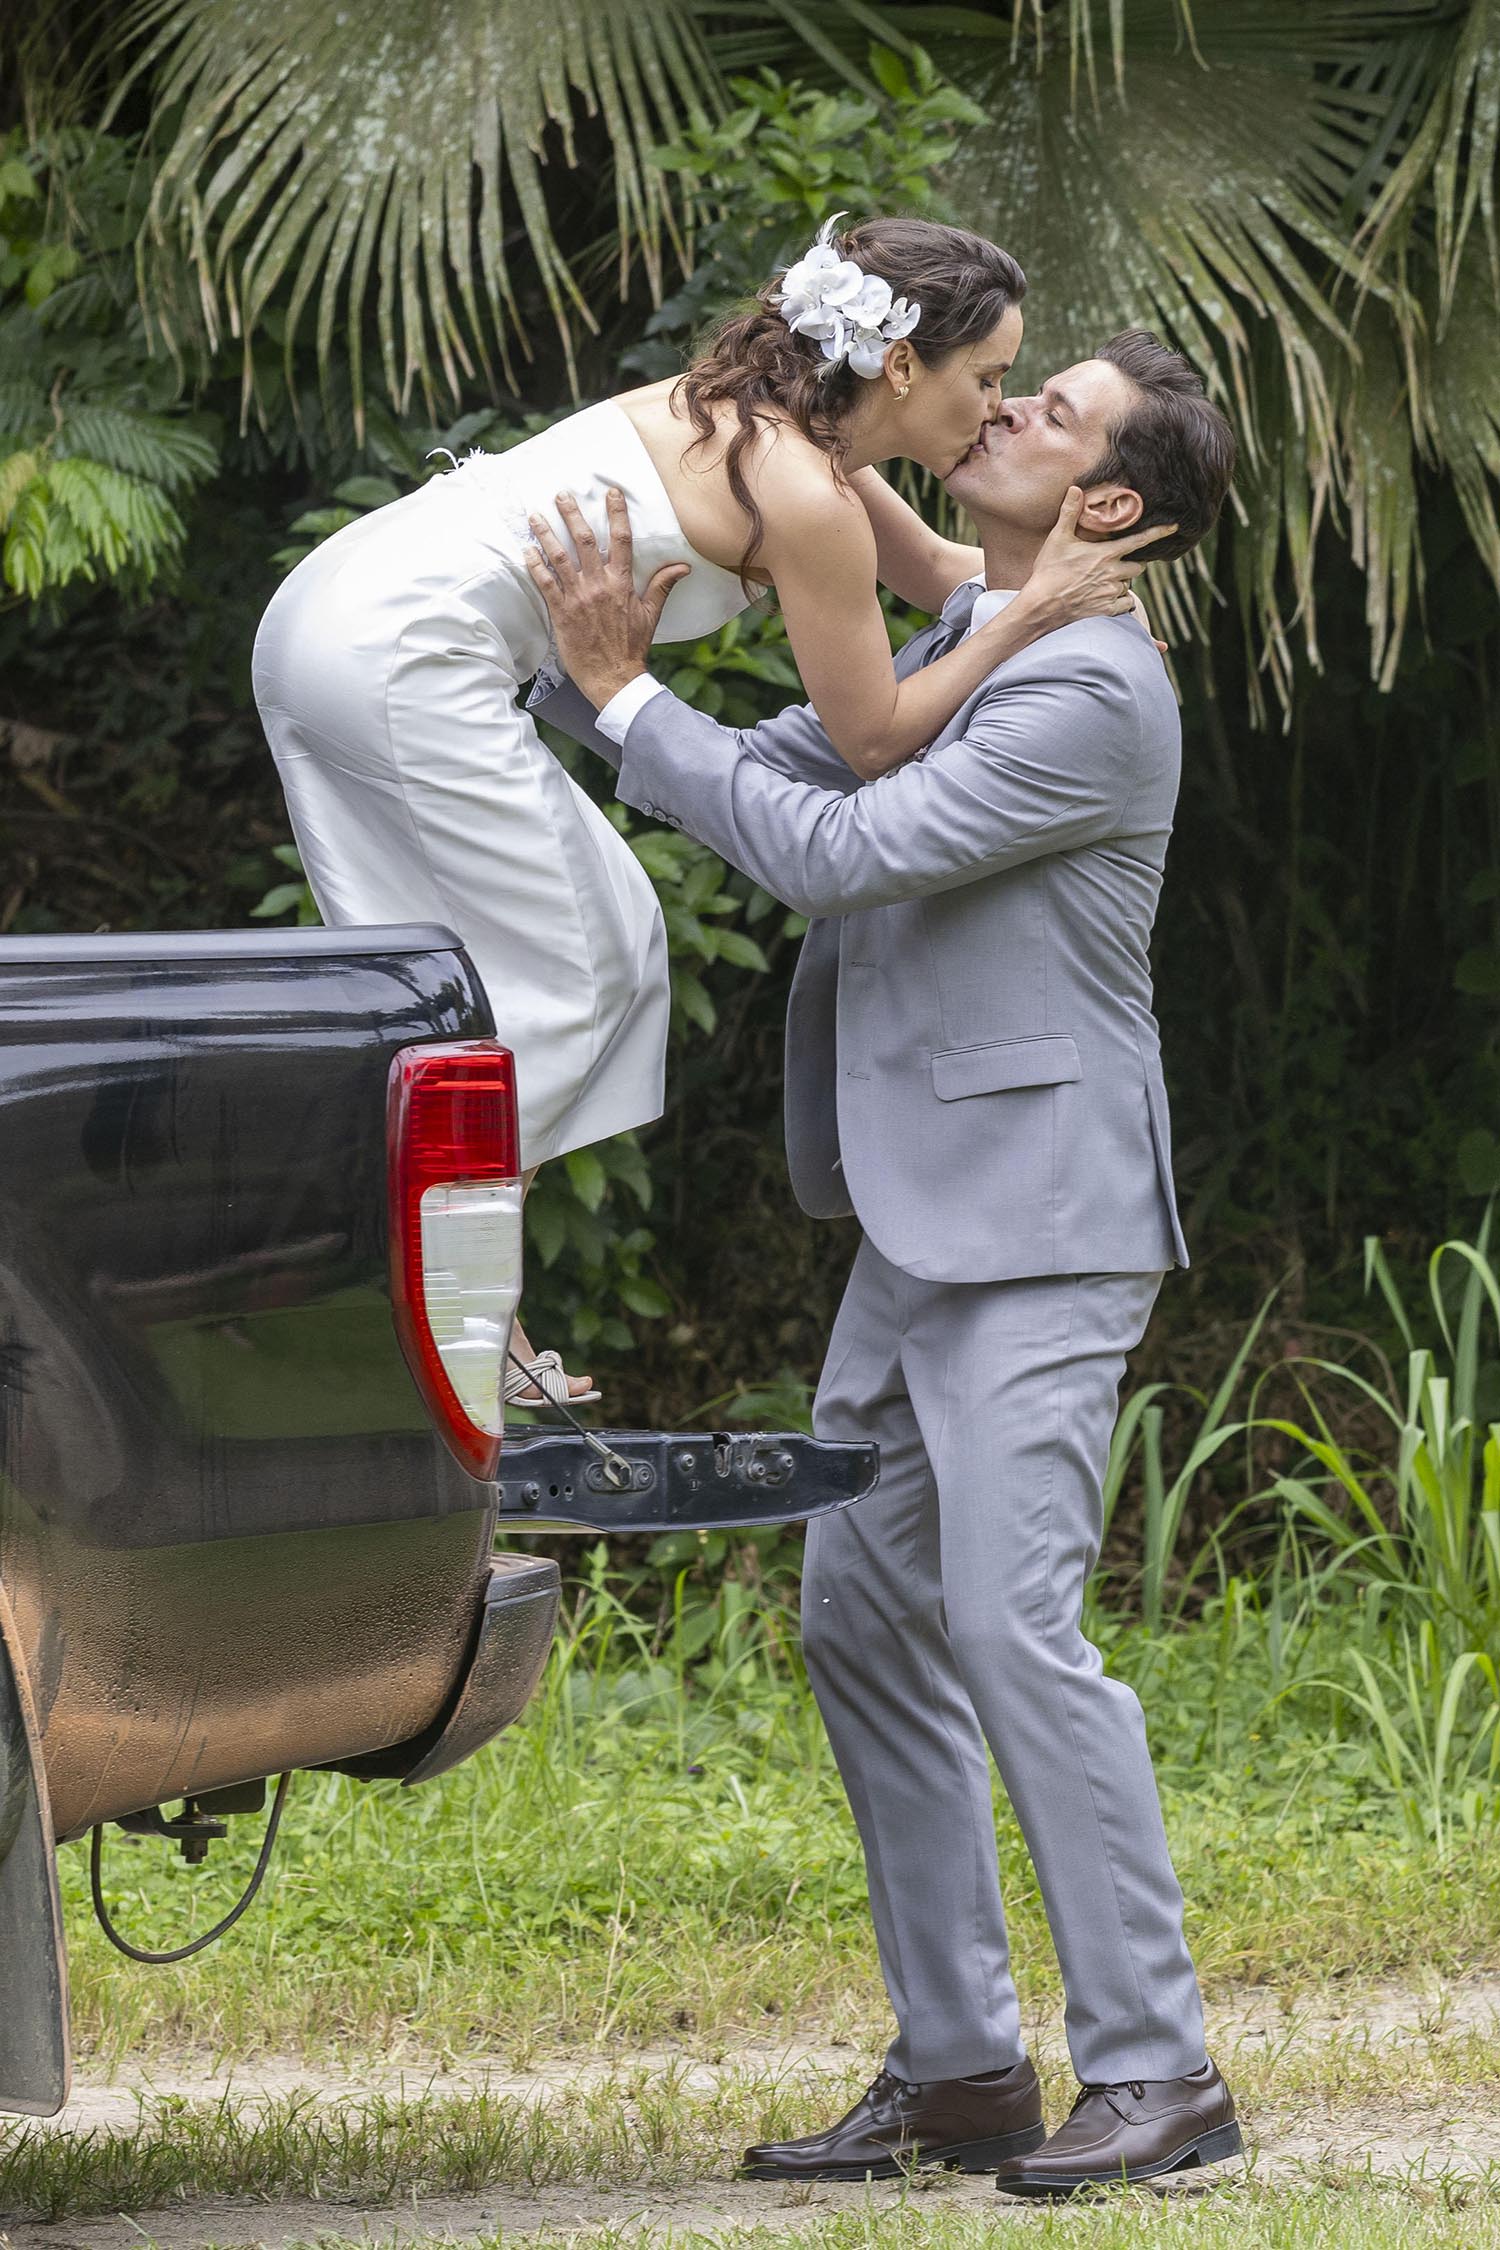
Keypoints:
pixel 1110 510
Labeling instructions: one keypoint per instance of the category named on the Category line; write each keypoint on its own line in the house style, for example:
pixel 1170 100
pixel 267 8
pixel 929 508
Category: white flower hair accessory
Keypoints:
pixel 851 313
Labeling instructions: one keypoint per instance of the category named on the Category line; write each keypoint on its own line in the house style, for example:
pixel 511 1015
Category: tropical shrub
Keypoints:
pixel 96 451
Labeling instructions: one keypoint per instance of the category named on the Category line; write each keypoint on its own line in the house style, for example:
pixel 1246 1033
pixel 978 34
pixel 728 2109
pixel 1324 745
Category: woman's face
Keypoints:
pixel 950 404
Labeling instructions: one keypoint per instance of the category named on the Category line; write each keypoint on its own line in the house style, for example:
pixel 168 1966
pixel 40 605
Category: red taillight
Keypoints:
pixel 454 1152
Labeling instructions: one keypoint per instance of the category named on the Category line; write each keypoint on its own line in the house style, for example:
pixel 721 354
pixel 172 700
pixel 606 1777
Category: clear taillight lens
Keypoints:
pixel 456 1234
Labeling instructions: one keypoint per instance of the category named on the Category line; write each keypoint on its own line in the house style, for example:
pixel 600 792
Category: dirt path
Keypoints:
pixel 1389 2078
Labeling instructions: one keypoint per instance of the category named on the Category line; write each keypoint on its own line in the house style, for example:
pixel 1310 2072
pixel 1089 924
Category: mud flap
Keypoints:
pixel 35 2064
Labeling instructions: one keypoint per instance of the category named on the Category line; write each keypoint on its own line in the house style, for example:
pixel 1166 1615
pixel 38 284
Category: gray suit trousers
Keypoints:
pixel 943 1614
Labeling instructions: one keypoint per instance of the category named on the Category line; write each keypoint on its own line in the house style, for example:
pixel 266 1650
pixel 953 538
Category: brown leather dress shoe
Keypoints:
pixel 1115 2135
pixel 968 2124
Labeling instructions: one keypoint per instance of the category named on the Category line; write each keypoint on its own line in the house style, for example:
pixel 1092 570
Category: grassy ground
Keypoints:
pixel 663 2128
pixel 1381 2218
pixel 632 1865
pixel 650 1895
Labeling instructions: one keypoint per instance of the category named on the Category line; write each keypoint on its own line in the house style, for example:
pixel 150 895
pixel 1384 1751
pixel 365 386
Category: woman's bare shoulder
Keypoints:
pixel 798 487
pixel 779 456
pixel 792 481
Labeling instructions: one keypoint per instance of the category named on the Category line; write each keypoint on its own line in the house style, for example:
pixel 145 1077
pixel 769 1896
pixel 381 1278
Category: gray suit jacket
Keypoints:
pixel 972 1063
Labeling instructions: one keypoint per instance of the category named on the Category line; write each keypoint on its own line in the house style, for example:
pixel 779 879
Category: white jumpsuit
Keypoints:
pixel 387 671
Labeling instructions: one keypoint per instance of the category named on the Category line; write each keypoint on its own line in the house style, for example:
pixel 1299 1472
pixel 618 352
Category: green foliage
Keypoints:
pixel 1414 1532
pixel 1415 1526
pixel 355 497
pixel 1137 1443
pixel 588 1255
pixel 93 459
pixel 788 156
pixel 294 898
pixel 1397 1539
pixel 1301 197
pixel 388 167
pixel 404 454
pixel 690 882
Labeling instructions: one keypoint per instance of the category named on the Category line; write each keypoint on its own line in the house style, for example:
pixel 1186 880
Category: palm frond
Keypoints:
pixel 1213 183
pixel 1204 201
pixel 1460 409
pixel 1380 481
pixel 166 452
pixel 398 153
pixel 1449 163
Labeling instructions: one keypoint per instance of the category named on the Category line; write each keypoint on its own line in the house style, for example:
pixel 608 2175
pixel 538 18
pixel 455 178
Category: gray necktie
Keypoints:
pixel 951 627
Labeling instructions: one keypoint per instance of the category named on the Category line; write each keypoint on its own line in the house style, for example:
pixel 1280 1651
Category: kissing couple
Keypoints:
pixel 978 832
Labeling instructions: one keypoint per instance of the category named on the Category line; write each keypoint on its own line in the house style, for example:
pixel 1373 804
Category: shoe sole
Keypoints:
pixel 964 2156
pixel 1209 2148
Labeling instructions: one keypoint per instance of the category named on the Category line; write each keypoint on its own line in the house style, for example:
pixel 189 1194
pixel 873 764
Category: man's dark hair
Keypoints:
pixel 1172 445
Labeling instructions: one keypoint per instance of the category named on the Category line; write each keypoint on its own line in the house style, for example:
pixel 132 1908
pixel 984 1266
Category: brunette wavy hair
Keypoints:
pixel 964 285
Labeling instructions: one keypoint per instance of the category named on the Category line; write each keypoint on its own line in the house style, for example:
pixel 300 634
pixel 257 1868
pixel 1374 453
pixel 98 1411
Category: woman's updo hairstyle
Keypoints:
pixel 964 285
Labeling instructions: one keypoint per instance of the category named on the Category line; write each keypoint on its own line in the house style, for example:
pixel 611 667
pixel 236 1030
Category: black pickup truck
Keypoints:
pixel 260 1246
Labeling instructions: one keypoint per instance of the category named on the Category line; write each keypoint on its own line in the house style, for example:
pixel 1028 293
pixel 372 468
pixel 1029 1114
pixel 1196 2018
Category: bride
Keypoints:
pixel 388 667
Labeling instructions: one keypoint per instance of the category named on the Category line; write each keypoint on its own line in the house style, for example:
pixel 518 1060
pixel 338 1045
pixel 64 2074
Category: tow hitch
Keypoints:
pixel 650 1480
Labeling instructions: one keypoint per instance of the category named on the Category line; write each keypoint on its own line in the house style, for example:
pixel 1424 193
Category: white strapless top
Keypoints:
pixel 586 454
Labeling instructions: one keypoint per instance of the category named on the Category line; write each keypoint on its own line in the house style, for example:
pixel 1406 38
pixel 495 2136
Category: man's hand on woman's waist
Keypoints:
pixel 603 627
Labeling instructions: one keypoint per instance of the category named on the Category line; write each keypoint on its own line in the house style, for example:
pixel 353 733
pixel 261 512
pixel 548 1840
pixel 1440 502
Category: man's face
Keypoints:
pixel 1024 461
pixel 953 403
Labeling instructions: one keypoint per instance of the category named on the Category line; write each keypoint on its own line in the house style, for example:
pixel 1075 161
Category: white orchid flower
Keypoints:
pixel 867 352
pixel 869 308
pixel 831 283
pixel 849 313
pixel 812 320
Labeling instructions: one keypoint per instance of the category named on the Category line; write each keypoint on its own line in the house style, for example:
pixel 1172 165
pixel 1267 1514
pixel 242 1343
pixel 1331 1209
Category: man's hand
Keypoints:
pixel 604 628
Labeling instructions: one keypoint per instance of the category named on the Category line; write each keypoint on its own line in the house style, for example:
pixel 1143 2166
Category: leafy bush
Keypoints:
pixel 1409 1538
pixel 95 452
pixel 1387 1552
pixel 788 157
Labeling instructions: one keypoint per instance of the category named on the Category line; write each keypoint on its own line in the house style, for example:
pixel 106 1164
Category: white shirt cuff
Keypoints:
pixel 614 720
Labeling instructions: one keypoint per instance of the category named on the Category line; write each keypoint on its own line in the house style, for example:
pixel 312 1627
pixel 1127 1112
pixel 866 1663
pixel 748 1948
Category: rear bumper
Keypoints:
pixel 513 1633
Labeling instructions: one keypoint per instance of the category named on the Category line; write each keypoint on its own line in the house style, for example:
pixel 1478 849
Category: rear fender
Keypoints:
pixel 35 2064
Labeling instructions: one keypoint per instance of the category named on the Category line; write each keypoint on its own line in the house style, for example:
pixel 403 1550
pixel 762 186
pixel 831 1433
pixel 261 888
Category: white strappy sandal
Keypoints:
pixel 547 1374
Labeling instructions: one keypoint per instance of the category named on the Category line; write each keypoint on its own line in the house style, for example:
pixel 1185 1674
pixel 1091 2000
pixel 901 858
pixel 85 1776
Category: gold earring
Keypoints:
pixel 903 390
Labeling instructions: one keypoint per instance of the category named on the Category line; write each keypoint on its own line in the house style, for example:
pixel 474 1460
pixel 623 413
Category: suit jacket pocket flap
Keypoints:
pixel 1001 1064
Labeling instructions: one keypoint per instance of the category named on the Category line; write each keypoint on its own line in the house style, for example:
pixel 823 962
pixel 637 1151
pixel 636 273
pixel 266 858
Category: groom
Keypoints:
pixel 973 1069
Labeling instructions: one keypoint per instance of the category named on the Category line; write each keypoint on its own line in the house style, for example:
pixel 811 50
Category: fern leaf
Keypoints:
pixel 23 407
pixel 15 475
pixel 26 543
pixel 166 452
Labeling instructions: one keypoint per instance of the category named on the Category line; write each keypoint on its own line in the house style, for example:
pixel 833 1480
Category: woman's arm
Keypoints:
pixel 820 551
pixel 917 564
